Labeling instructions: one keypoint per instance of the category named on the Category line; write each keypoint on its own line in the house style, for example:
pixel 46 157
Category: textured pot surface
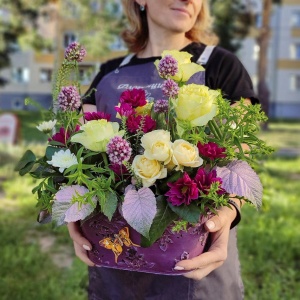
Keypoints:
pixel 116 245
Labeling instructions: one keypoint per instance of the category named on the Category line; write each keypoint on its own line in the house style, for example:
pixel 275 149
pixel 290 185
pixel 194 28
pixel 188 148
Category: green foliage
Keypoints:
pixel 99 23
pixel 19 22
pixel 231 24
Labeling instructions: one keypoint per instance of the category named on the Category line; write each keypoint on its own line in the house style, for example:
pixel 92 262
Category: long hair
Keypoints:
pixel 136 34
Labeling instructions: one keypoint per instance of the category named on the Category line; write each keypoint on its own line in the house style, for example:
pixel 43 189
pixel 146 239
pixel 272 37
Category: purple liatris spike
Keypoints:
pixel 69 98
pixel 75 52
pixel 161 106
pixel 118 150
pixel 168 66
pixel 170 88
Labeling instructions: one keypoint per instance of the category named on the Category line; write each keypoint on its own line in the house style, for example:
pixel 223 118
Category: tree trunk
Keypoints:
pixel 263 42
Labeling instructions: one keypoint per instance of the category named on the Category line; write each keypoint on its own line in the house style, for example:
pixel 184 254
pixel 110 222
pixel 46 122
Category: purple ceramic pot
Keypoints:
pixel 116 245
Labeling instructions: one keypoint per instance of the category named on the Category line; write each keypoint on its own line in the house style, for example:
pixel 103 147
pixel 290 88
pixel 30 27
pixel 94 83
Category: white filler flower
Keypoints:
pixel 46 127
pixel 63 159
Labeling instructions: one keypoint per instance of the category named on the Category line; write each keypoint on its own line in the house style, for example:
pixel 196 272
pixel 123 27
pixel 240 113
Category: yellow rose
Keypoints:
pixel 185 67
pixel 96 134
pixel 186 154
pixel 144 110
pixel 148 170
pixel 157 145
pixel 196 103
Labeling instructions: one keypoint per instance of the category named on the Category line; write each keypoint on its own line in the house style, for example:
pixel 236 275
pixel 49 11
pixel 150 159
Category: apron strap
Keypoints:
pixel 124 62
pixel 204 57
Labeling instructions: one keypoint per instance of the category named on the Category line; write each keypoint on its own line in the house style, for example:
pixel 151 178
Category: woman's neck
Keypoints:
pixel 156 46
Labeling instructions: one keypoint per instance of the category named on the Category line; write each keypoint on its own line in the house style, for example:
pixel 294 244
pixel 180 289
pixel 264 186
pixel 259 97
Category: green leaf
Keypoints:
pixel 110 205
pixel 27 158
pixel 190 213
pixel 162 219
pixel 27 168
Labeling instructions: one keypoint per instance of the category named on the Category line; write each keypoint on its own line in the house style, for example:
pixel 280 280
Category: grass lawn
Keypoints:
pixel 37 261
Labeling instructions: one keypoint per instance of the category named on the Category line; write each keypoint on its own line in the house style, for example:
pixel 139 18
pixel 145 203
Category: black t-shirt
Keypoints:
pixel 223 71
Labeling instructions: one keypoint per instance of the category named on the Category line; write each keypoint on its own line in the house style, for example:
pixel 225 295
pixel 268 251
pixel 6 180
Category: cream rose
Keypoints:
pixel 96 134
pixel 149 170
pixel 196 103
pixel 157 145
pixel 185 154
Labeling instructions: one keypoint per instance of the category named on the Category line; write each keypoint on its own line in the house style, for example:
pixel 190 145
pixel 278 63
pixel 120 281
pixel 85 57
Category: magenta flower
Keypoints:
pixel 170 88
pixel 75 52
pixel 120 170
pixel 69 98
pixel 183 191
pixel 161 106
pixel 118 150
pixel 62 136
pixel 125 110
pixel 211 150
pixel 99 115
pixel 134 97
pixel 204 180
pixel 168 66
pixel 134 123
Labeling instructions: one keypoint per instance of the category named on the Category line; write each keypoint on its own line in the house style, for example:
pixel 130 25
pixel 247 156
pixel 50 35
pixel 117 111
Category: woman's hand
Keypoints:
pixel 202 265
pixel 81 244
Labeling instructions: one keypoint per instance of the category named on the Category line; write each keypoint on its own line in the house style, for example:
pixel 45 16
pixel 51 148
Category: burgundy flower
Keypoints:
pixel 204 180
pixel 134 97
pixel 89 116
pixel 133 123
pixel 125 110
pixel 118 150
pixel 62 136
pixel 68 98
pixel 183 191
pixel 161 106
pixel 170 88
pixel 75 52
pixel 167 66
pixel 211 150
pixel 120 170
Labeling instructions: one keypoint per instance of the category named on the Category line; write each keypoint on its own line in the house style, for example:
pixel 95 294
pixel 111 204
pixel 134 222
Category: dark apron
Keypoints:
pixel 110 284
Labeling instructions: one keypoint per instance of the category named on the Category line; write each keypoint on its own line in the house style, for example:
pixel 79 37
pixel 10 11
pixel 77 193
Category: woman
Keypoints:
pixel 155 26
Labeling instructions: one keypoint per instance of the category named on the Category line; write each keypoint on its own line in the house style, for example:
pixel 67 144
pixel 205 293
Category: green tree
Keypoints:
pixel 17 21
pixel 98 23
pixel 231 22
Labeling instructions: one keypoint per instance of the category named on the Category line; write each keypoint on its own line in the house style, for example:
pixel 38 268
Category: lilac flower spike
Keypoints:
pixel 168 66
pixel 170 88
pixel 161 106
pixel 118 150
pixel 75 52
pixel 69 98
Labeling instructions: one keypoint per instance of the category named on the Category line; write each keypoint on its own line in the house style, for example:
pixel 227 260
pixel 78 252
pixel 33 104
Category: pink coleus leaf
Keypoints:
pixel 240 179
pixel 139 209
pixel 64 208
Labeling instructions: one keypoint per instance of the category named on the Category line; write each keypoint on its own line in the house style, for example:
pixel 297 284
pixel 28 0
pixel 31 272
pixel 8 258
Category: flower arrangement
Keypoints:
pixel 166 163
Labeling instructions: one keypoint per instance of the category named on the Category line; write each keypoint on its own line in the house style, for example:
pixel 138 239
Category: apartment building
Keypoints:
pixel 30 73
pixel 283 74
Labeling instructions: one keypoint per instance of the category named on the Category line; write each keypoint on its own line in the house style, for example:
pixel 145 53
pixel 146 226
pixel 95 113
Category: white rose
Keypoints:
pixel 157 145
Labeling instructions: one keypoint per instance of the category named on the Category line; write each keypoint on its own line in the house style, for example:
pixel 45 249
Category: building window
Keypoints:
pixel 69 38
pixel 295 19
pixel 86 74
pixel 20 75
pixel 45 75
pixel 295 82
pixel 295 51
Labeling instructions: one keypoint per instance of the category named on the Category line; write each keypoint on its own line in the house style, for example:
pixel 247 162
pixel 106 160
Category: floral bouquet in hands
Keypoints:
pixel 143 187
